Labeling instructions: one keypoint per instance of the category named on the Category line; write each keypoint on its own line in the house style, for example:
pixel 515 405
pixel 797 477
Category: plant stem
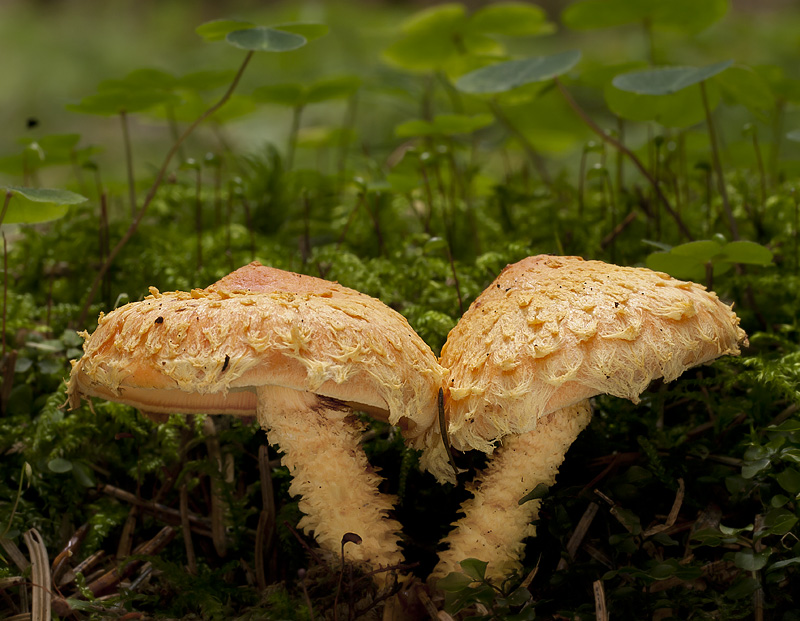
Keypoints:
pixel 723 190
pixel 632 156
pixel 761 171
pixel 154 188
pixel 198 217
pixel 297 115
pixel 126 139
pixel 6 203
pixel 5 290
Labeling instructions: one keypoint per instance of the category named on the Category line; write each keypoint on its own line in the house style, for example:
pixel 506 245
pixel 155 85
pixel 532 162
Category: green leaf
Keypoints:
pixel 519 597
pixel 749 560
pixel 794 135
pixel 333 88
pixel 701 251
pixel 291 95
pixel 512 19
pixel 681 109
pixel 744 86
pixel 666 80
pixel 474 568
pixel 540 491
pixel 789 480
pixel 687 16
pixel 513 73
pixel 310 32
pixel 217 30
pixel 785 563
pixel 746 252
pixel 779 521
pixel 743 587
pixel 263 39
pixel 140 79
pixel 681 267
pixel 751 469
pixel 109 103
pixel 59 465
pixel 454 581
pixel 29 205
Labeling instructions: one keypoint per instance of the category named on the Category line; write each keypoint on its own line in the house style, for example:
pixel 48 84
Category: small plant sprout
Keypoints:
pixel 298 352
pixel 549 333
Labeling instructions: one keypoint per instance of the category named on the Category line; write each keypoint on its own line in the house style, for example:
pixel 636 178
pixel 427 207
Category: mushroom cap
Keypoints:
pixel 551 331
pixel 207 350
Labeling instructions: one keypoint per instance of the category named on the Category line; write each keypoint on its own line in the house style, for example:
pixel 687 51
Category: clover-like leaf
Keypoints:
pixel 746 252
pixel 512 19
pixel 29 205
pixel 217 30
pixel 513 73
pixel 263 39
pixel 666 80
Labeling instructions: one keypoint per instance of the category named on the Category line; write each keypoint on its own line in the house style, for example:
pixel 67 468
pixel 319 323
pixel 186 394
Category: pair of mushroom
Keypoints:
pixel 301 353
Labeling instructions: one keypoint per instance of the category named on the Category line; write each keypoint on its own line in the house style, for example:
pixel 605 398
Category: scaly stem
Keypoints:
pixel 495 524
pixel 154 188
pixel 338 490
pixel 723 190
pixel 629 154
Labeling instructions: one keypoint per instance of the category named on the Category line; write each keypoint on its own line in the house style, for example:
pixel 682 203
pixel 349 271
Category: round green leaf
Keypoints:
pixel 109 103
pixel 747 252
pixel 59 465
pixel 29 205
pixel 513 19
pixel 687 16
pixel 779 521
pixel 262 39
pixel 746 87
pixel 677 266
pixel 474 568
pixel 591 14
pixel 216 30
pixel 751 561
pixel 681 109
pixel 702 251
pixel 667 80
pixel 310 32
pixel 436 20
pixel 332 88
pixel 789 480
pixel 291 95
pixel 513 73
pixel 454 582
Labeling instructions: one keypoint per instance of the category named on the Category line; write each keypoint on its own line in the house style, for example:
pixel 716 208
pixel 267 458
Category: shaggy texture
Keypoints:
pixel 551 331
pixel 495 525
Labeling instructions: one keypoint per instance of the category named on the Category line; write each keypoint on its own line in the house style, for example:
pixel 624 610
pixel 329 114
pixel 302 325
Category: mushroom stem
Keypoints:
pixel 495 524
pixel 330 472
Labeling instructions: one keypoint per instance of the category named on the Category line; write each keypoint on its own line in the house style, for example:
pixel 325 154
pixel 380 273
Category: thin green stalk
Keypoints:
pixel 723 190
pixel 348 125
pixel 198 217
pixel 126 140
pixel 762 174
pixel 154 188
pixel 632 156
pixel 297 115
pixel 530 150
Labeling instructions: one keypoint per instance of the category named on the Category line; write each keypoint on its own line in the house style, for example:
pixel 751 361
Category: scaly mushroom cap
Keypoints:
pixel 551 331
pixel 207 350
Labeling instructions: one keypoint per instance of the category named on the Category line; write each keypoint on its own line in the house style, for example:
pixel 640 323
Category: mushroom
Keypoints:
pixel 301 354
pixel 549 333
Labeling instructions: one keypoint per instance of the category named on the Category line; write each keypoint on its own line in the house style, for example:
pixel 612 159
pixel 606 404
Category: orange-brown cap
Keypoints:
pixel 205 351
pixel 551 331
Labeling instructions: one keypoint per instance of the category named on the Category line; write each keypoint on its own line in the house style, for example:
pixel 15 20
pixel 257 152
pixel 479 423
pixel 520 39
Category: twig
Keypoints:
pixel 578 535
pixel 630 154
pixel 154 188
pixel 600 610
pixel 673 514
pixel 60 561
pixel 191 561
pixel 40 576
